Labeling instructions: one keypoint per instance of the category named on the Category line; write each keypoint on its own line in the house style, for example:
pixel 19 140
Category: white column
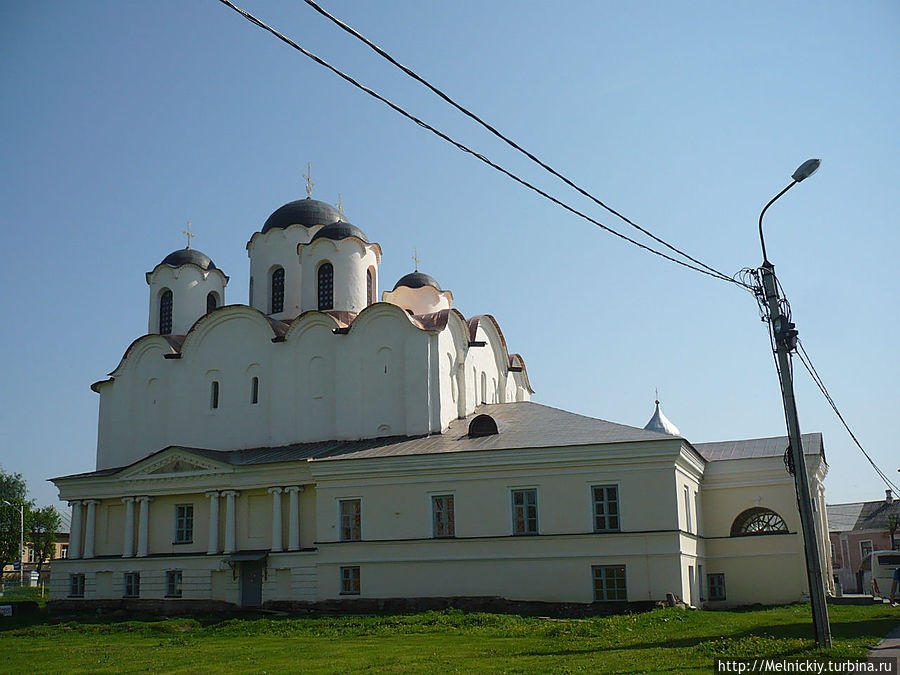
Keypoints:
pixel 276 518
pixel 294 519
pixel 89 527
pixel 213 548
pixel 144 527
pixel 230 524
pixel 128 546
pixel 75 534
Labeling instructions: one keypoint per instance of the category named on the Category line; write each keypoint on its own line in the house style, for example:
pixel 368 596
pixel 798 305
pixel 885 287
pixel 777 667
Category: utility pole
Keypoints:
pixel 785 341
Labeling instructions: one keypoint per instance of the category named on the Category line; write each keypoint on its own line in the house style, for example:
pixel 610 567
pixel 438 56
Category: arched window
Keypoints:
pixel 254 390
pixel 211 302
pixel 326 287
pixel 758 521
pixel 370 287
pixel 165 313
pixel 277 304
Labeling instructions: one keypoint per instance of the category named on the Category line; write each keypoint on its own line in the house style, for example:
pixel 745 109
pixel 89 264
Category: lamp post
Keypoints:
pixel 21 540
pixel 785 337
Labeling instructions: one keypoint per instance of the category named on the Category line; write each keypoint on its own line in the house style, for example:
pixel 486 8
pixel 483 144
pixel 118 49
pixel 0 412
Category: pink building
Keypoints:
pixel 857 529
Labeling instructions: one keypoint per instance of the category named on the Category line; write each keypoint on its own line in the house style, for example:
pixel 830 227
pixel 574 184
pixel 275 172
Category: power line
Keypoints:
pixel 466 149
pixel 811 369
pixel 468 113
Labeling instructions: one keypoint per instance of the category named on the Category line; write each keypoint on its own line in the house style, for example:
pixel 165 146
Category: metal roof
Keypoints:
pixel 753 448
pixel 306 212
pixel 861 515
pixel 189 256
pixel 661 423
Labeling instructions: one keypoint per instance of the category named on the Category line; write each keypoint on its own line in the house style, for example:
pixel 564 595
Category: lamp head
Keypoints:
pixel 807 169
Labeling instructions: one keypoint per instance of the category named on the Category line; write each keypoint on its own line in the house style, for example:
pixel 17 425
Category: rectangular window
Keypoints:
pixel 606 508
pixel 76 585
pixel 716 583
pixel 865 548
pixel 351 520
pixel 254 391
pixel 688 525
pixel 184 523
pixel 350 581
pixel 64 551
pixel 213 395
pixel 132 584
pixel 609 583
pixel 443 516
pixel 173 584
pixel 524 505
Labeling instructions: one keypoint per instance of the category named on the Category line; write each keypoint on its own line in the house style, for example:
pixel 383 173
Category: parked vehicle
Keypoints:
pixel 877 570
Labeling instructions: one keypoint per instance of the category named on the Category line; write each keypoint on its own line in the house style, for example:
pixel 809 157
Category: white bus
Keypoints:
pixel 878 573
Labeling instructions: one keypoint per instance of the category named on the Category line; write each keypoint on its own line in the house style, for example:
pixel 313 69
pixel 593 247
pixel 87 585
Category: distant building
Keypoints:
pixel 321 446
pixel 855 530
pixel 60 552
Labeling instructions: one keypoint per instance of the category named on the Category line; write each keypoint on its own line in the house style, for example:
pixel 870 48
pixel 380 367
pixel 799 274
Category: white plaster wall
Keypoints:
pixel 190 286
pixel 277 248
pixel 351 259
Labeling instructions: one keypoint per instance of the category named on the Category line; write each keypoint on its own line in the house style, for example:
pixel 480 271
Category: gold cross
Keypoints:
pixel 339 205
pixel 309 182
pixel 189 234
pixel 416 258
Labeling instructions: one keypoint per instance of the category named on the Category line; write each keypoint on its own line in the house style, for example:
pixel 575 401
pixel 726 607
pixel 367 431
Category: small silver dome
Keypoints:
pixel 661 423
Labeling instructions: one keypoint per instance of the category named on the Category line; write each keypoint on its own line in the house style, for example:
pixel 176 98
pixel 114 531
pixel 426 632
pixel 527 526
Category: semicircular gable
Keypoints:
pixel 490 326
pixel 309 319
pixel 139 348
pixel 516 361
pixel 381 310
pixel 229 314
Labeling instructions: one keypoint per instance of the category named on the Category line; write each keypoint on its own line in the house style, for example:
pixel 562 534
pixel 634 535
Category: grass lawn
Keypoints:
pixel 664 640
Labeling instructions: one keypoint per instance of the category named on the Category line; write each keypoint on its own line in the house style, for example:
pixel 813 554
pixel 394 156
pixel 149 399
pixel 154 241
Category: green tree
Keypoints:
pixel 12 491
pixel 42 528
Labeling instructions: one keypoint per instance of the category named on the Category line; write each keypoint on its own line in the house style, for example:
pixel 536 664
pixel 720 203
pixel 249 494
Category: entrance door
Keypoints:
pixel 251 583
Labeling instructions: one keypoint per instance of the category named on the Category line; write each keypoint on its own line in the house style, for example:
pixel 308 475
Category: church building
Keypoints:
pixel 332 444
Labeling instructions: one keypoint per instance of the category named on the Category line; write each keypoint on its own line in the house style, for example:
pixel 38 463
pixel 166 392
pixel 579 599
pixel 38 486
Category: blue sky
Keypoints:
pixel 122 121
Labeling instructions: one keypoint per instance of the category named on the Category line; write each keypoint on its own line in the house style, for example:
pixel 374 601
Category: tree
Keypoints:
pixel 42 529
pixel 14 491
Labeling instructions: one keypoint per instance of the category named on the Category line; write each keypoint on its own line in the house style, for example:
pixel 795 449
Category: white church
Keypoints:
pixel 322 447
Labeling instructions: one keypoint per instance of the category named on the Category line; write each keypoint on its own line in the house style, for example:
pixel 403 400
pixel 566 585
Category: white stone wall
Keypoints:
pixel 190 287
pixel 351 259
pixel 277 248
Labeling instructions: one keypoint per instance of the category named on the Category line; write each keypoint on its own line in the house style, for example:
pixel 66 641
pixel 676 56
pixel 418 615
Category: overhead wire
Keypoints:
pixel 468 113
pixel 466 149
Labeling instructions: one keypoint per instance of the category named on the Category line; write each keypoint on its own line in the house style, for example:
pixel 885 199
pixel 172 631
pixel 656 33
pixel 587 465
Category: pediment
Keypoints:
pixel 174 463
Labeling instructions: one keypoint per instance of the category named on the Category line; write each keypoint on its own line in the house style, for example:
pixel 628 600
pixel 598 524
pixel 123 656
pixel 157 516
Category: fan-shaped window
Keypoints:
pixel 277 291
pixel 370 287
pixel 326 287
pixel 483 425
pixel 758 521
pixel 165 313
pixel 212 301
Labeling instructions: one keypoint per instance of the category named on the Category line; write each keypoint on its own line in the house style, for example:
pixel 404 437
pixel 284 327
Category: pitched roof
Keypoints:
pixel 753 448
pixel 861 515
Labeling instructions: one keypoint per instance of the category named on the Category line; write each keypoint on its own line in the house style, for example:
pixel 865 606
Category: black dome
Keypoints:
pixel 339 230
pixel 306 212
pixel 189 256
pixel 417 280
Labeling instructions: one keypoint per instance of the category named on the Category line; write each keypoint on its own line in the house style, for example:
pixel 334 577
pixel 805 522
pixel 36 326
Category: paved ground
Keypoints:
pixel 890 646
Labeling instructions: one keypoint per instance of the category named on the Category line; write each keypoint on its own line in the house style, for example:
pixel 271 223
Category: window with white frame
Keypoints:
pixel 76 585
pixel 606 508
pixel 350 580
pixel 524 511
pixel 173 583
pixel 443 516
pixel 132 585
pixel 64 551
pixel 716 586
pixel 865 548
pixel 609 583
pixel 184 523
pixel 351 519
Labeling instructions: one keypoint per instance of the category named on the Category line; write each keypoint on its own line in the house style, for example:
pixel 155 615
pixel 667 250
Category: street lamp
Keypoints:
pixel 21 540
pixel 785 341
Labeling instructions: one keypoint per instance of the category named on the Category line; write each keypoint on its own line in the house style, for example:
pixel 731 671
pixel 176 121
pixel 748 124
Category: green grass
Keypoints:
pixel 23 593
pixel 664 640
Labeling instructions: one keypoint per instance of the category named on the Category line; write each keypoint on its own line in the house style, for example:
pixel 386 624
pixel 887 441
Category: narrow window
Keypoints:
pixel 214 395
pixel 609 583
pixel 370 287
pixel 76 585
pixel 326 287
pixel 865 548
pixel 254 391
pixel 250 294
pixel 443 517
pixel 132 584
pixel 173 583
pixel 606 508
pixel 716 586
pixel 688 524
pixel 184 523
pixel 165 313
pixel 64 551
pixel 524 504
pixel 351 520
pixel 277 304
pixel 211 302
pixel 350 581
